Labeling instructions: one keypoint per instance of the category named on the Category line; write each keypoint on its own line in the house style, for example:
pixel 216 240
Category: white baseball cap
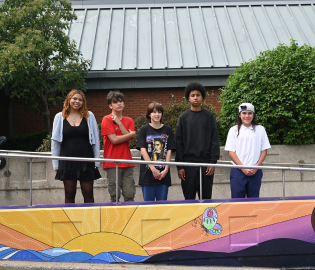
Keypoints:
pixel 246 107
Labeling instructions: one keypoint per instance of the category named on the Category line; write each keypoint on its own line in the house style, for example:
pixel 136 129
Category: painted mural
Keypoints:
pixel 259 233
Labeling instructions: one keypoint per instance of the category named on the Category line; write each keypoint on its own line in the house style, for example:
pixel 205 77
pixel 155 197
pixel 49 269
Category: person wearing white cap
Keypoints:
pixel 247 144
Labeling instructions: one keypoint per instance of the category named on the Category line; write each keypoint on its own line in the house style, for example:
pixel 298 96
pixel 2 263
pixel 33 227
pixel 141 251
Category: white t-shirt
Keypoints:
pixel 249 144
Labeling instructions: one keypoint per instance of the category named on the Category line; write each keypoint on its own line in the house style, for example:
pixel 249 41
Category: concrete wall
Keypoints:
pixel 14 190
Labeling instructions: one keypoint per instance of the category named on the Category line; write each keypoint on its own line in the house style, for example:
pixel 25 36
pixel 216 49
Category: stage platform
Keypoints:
pixel 261 232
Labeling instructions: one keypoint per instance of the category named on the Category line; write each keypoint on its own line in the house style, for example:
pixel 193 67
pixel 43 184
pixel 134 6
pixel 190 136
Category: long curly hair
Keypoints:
pixel 66 105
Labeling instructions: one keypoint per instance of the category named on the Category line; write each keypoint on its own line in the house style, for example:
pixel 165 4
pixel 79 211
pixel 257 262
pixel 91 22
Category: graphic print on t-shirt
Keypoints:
pixel 157 148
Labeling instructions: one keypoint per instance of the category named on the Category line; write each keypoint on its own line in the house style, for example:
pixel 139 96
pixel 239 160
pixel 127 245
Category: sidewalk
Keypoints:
pixel 18 265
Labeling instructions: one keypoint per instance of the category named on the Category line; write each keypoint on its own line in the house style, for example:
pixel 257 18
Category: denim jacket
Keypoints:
pixel 57 133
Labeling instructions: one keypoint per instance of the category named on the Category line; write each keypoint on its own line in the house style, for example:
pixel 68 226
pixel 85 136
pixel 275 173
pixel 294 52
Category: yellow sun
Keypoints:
pixel 96 243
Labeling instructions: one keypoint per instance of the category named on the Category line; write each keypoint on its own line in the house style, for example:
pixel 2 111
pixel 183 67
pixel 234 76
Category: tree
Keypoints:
pixel 38 62
pixel 280 84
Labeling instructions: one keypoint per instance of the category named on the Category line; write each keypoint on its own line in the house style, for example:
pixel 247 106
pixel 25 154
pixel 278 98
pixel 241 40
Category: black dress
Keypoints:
pixel 76 143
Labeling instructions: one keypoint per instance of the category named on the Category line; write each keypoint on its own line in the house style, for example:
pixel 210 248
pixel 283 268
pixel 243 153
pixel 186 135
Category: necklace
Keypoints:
pixel 73 117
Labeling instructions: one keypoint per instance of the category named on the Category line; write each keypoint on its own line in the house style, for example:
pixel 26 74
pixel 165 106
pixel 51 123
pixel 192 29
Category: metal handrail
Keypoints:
pixel 200 165
pixel 138 158
pixel 157 162
pixel 25 152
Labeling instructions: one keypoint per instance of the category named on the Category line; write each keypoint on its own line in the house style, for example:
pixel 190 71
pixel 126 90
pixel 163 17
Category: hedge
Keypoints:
pixel 28 142
pixel 280 83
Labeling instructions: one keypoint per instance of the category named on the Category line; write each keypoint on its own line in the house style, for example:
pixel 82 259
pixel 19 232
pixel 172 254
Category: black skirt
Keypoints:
pixel 76 143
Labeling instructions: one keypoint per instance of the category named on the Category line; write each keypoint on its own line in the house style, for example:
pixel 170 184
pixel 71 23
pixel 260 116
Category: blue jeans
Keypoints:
pixel 242 185
pixel 152 192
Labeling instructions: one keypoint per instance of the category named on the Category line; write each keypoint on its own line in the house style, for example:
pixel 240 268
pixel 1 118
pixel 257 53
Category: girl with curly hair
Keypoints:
pixel 75 134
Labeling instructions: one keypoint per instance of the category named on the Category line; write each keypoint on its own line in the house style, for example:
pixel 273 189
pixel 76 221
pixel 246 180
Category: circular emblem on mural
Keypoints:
pixel 209 221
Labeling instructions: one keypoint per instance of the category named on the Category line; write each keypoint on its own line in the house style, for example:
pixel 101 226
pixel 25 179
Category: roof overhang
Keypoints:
pixel 129 79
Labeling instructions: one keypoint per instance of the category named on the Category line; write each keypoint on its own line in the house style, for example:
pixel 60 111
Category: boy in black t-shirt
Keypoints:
pixel 197 141
pixel 156 142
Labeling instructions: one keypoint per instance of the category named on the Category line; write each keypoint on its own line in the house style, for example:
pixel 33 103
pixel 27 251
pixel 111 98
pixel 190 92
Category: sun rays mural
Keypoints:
pixel 231 234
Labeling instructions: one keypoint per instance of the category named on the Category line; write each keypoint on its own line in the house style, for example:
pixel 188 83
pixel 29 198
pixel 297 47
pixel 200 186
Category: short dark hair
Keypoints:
pixel 114 96
pixel 159 140
pixel 151 108
pixel 195 86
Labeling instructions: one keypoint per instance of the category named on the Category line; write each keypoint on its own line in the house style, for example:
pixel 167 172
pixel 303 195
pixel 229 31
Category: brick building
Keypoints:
pixel 151 49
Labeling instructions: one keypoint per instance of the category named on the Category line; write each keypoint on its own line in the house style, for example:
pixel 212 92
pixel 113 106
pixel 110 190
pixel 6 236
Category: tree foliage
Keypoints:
pixel 38 62
pixel 280 84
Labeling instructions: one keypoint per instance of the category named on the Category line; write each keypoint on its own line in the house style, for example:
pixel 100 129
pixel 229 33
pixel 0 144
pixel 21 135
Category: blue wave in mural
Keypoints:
pixel 6 251
pixel 64 255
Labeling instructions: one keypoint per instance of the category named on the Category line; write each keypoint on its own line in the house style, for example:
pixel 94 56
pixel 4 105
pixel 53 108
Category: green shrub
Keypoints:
pixel 28 142
pixel 171 114
pixel 46 145
pixel 280 84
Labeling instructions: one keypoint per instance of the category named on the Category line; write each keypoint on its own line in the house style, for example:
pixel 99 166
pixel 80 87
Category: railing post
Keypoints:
pixel 7 173
pixel 31 180
pixel 117 188
pixel 283 183
pixel 200 199
pixel 301 166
